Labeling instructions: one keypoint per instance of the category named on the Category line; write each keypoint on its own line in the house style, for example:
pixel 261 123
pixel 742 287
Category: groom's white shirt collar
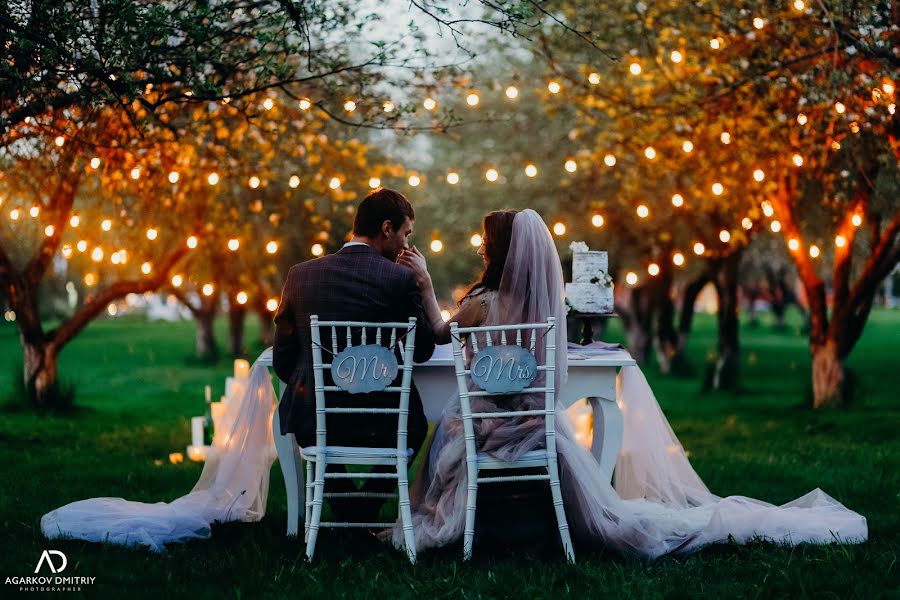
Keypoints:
pixel 348 244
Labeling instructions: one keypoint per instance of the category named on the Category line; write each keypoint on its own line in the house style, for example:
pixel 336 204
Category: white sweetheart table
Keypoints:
pixel 591 376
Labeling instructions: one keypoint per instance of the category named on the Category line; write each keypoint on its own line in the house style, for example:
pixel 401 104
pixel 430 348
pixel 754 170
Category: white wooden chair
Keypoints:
pixel 318 457
pixel 526 336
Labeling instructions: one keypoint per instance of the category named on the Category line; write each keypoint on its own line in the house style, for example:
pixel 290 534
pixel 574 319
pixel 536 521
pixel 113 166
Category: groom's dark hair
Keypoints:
pixel 379 206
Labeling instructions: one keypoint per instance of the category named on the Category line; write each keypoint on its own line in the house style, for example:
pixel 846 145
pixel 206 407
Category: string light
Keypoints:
pixel 241 298
pixel 840 241
pixel 173 177
pixel 699 249
pixel 759 23
pixel 768 209
pixel 597 221
pixel 892 108
pixel 74 221
pixel 798 160
pixel 678 259
pixel 635 68
pixel 677 200
pixel 531 170
pixel 642 211
pixel 687 146
pixel 571 166
pixel 48 230
pixel 414 180
pixel 213 178
pixel 430 104
pixel 106 225
pixel 676 56
pixel 794 244
pixel 650 152
pixel 304 104
pixel 725 138
pixel 814 251
pixel 97 254
pixel 476 240
pixel 452 177
pixel 854 127
pixel 594 78
pixel 95 163
pixel 254 182
pixel 66 250
pixel 653 269
pixel 839 108
pixel 775 226
pixel 115 258
pixel 856 220
pixel 559 229
pixel 718 189
pixel 437 245
pixel 268 104
pixel 177 280
pixel 60 140
pixel 835 145
pixel 799 5
pixel 512 92
pixel 208 289
pixel 81 245
pixel 609 160
pixel 151 234
pixel 272 304
pixel 374 182
pixel 472 99
pixel 349 106
pixel 234 244
pixel 715 43
pixel 746 223
pixel 759 175
pixel 14 214
pixel 801 119
pixel 317 250
pixel 334 183
pixel 491 175
pixel 725 236
pixel 135 172
pixel 90 279
pixel 146 268
pixel 34 211
pixel 554 87
pixel 272 247
pixel 294 181
pixel 192 242
pixel 631 278
pixel 388 106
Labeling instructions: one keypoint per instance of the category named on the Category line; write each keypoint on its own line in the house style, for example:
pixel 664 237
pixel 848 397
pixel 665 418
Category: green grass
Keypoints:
pixel 136 391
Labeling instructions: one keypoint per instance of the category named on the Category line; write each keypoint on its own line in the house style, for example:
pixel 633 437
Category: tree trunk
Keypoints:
pixel 638 322
pixel 206 337
pixel 667 352
pixel 728 361
pixel 266 326
pixel 686 320
pixel 827 376
pixel 40 375
pixel 237 318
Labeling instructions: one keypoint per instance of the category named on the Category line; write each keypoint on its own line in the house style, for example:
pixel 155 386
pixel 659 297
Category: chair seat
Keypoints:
pixel 534 458
pixel 355 455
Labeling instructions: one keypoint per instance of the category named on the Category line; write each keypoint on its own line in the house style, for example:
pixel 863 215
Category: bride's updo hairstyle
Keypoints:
pixel 498 227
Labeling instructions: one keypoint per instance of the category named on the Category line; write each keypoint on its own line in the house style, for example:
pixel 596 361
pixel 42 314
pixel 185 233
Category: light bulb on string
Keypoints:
pixel 653 269
pixel 60 140
pixel 304 104
pixel 631 278
pixel 725 138
pixel 95 163
pixel 856 220
pixel 794 244
pixel 268 104
pixel 491 175
pixel 597 220
pixel 66 251
pixel 136 173
pixel 839 108
pixel 531 170
pixel 840 241
pixel 635 68
pixel 317 250
pixel 687 146
pixel 48 230
pixel 34 211
pixel 678 259
pixel 715 43
pixel 192 242
pixel 388 106
pixel 512 92
pixel 81 246
pixel 272 304
pixel 413 180
pixel 799 5
pixel 775 226
pixel 814 251
pixel 699 248
pixel 609 160
pixel 554 87
pixel 334 183
pixel 759 23
pixel 571 166
pixel 472 99
pixel 106 224
pixel 97 254
pixel 349 106
pixel 374 182
pixel 14 214
pixel 173 177
pixel 152 233
pixel 430 104
pixel 802 119
pixel 650 152
pixel 436 245
pixel 676 56
pixel 476 240
pixel 272 247
pixel 747 223
pixel 208 289
pixel 677 200
pixel 767 208
pixel 213 178
pixel 177 280
pixel 559 229
pixel 146 268
pixel 74 221
pixel 294 181
pixel 594 78
pixel 452 177
pixel 724 236
pixel 234 244
pixel 718 189
pixel 759 175
pixel 254 182
pixel 642 211
pixel 797 160
pixel 241 297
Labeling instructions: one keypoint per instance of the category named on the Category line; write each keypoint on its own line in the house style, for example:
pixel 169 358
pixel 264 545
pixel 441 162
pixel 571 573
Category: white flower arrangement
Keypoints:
pixel 578 247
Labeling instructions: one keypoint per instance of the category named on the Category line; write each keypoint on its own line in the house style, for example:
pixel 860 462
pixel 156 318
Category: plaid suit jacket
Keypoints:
pixel 355 284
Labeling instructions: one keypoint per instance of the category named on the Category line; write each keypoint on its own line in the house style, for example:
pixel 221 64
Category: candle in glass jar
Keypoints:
pixel 196 453
pixel 197 430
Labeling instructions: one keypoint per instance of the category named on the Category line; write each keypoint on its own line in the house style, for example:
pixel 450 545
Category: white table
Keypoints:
pixel 591 377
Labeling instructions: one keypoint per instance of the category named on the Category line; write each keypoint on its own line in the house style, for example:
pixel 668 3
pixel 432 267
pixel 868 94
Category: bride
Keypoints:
pixel 659 504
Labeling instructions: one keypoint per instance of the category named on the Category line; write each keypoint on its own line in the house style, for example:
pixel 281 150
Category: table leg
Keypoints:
pixel 609 424
pixel 291 469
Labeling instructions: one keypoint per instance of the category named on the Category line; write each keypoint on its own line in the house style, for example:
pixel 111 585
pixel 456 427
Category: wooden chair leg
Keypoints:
pixel 409 537
pixel 561 521
pixel 316 514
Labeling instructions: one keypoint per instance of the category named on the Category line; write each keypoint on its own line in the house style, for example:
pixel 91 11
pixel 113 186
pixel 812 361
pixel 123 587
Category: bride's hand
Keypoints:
pixel 414 259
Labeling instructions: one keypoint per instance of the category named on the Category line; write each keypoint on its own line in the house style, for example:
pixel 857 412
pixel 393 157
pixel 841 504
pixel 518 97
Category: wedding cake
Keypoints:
pixel 591 288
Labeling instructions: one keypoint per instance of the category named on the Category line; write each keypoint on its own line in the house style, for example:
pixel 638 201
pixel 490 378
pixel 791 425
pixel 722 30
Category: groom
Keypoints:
pixel 361 282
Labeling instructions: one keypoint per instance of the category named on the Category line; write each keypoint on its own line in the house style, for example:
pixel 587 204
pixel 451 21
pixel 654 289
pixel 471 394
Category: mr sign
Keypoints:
pixel 504 369
pixel 363 369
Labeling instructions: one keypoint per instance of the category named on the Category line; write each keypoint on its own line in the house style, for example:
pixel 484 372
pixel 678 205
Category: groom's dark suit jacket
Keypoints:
pixel 355 284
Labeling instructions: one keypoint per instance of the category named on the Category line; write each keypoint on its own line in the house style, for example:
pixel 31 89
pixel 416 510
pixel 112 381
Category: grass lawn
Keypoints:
pixel 136 392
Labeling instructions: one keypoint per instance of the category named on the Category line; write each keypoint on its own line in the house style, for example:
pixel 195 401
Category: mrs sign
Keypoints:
pixel 504 369
pixel 364 369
